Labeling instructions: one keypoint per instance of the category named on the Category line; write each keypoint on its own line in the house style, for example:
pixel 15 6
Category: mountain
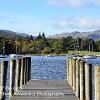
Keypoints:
pixel 95 35
pixel 11 34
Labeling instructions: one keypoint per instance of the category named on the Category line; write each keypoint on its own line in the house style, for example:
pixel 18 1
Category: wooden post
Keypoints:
pixel 29 68
pixel 70 71
pixel 22 72
pixel 88 82
pixel 12 76
pixel 74 74
pixel 4 66
pixel 77 78
pixel 97 82
pixel 18 72
pixel 82 80
pixel 25 70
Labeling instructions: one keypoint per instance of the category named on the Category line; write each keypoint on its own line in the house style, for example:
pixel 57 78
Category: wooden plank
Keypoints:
pixel 45 90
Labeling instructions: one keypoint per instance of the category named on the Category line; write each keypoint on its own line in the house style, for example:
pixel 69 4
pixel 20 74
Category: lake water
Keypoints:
pixel 52 68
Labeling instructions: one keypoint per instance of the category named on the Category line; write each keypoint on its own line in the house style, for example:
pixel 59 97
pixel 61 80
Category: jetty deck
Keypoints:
pixel 45 90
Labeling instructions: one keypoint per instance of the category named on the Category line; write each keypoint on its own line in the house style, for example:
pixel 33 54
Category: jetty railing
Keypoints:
pixel 80 76
pixel 20 74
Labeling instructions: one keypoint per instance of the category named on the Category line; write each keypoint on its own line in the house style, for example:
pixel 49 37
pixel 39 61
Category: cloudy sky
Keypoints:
pixel 49 16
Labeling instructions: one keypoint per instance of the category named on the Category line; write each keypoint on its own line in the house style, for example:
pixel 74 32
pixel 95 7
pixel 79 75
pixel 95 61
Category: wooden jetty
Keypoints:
pixel 45 90
pixel 76 87
pixel 80 77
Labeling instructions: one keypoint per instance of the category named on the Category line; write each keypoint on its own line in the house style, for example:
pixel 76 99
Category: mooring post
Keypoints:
pixel 74 74
pixel 88 83
pixel 22 72
pixel 25 70
pixel 12 76
pixel 29 68
pixel 77 78
pixel 69 67
pixel 97 82
pixel 4 66
pixel 18 72
pixel 82 80
pixel 68 70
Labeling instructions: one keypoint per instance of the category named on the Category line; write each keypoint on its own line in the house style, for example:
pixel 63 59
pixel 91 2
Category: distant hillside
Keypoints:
pixel 11 34
pixel 95 35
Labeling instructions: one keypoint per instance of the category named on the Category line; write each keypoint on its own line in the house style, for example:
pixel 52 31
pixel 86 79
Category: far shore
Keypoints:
pixel 81 53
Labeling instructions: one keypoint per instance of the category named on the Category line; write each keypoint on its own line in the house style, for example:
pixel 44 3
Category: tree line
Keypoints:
pixel 43 45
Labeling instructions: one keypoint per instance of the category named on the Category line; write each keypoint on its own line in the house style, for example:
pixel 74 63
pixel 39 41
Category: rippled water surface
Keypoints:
pixel 48 68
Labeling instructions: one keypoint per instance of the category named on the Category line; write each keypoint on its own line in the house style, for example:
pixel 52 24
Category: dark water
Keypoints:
pixel 52 68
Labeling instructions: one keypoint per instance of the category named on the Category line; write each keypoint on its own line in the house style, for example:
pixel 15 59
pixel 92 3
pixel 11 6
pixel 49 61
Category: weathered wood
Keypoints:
pixel 4 66
pixel 25 70
pixel 97 82
pixel 74 74
pixel 45 90
pixel 29 68
pixel 82 80
pixel 70 72
pixel 18 72
pixel 12 76
pixel 67 65
pixel 22 72
pixel 88 83
pixel 77 78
